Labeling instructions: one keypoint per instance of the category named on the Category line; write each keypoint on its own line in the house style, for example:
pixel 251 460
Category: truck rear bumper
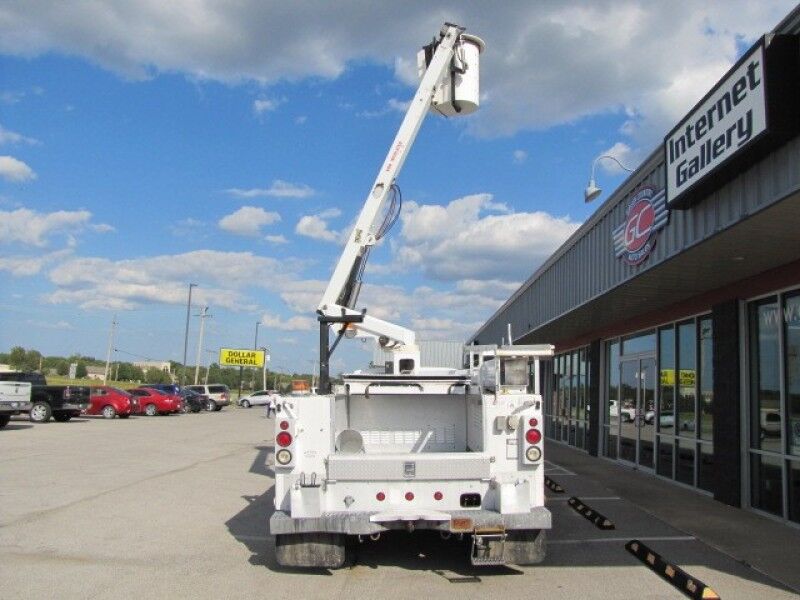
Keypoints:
pixel 359 523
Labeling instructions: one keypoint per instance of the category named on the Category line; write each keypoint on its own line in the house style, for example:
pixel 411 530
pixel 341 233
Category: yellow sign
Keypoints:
pixel 235 357
pixel 687 377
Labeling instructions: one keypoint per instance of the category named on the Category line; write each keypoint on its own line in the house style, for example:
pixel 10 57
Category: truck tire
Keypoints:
pixel 41 412
pixel 320 550
pixel 525 546
pixel 4 419
pixel 62 417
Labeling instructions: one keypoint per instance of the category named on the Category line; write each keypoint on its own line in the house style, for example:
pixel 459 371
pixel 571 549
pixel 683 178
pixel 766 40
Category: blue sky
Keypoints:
pixel 129 168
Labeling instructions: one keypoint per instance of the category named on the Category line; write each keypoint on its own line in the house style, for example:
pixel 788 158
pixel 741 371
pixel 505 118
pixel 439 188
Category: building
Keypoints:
pixel 675 308
pixel 96 373
pixel 163 365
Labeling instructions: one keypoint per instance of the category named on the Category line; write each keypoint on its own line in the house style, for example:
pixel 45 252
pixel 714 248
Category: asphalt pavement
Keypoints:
pixel 177 507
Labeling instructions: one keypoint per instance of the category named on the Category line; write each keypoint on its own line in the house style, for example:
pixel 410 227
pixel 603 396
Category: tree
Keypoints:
pixel 81 371
pixel 16 358
pixel 62 368
pixel 155 375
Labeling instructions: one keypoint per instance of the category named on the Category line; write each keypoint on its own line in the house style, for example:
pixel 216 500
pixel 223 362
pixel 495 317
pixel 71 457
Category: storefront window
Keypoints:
pixel 665 459
pixel 706 379
pixel 766 490
pixel 794 490
pixel 685 380
pixel 641 342
pixel 765 414
pixel 684 466
pixel 612 408
pixel 666 346
pixel 791 324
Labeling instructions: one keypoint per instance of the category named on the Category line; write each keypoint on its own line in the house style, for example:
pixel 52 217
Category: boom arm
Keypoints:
pixel 342 292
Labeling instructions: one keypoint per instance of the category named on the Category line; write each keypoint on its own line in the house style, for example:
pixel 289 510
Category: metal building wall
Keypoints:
pixel 585 266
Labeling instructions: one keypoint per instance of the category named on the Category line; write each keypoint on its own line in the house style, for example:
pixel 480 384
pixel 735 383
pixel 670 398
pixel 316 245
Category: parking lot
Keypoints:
pixel 177 506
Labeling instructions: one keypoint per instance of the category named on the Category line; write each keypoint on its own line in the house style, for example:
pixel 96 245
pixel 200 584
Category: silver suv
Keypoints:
pixel 218 394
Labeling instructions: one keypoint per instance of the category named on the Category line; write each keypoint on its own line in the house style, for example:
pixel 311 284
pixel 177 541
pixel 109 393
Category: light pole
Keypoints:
pixel 208 367
pixel 264 368
pixel 203 316
pixel 592 191
pixel 108 352
pixel 255 341
pixel 186 335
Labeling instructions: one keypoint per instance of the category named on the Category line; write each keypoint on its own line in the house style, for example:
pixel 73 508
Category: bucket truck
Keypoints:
pixel 404 446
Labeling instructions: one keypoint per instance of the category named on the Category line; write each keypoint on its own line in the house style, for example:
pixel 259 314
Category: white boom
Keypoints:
pixel 339 299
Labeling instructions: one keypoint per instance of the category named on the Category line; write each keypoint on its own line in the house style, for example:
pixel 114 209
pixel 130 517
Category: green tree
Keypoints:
pixel 16 358
pixel 62 368
pixel 81 371
pixel 154 375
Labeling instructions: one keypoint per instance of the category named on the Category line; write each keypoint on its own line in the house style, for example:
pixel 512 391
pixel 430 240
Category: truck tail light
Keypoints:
pixel 533 436
pixel 283 439
pixel 409 496
pixel 533 421
pixel 284 425
pixel 438 496
pixel 380 496
pixel 284 457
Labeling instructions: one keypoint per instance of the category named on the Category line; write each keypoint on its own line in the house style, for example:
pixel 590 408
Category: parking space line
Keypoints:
pixel 666 538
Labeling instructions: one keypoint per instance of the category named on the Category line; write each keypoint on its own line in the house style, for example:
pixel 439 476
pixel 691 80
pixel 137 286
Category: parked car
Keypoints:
pixel 627 414
pixel 192 401
pixel 218 395
pixel 155 402
pixel 15 398
pixel 169 388
pixel 260 398
pixel 112 402
pixel 61 402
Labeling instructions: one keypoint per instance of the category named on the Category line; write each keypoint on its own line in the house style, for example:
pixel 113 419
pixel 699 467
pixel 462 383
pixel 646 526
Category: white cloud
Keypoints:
pixel 188 227
pixel 541 57
pixel 278 189
pixel 102 228
pixel 294 323
pixel 28 266
pixel 316 227
pixel 276 239
pixel 248 220
pixel 12 137
pixel 262 105
pixel 94 283
pixel 475 237
pixel 520 156
pixel 300 120
pixel 63 325
pixel 29 227
pixel 15 170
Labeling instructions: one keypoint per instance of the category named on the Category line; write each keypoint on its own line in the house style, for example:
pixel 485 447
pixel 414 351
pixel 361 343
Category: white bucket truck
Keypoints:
pixel 402 446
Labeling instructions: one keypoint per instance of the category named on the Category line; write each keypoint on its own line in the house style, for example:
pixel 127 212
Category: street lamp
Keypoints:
pixel 592 191
pixel 255 342
pixel 186 335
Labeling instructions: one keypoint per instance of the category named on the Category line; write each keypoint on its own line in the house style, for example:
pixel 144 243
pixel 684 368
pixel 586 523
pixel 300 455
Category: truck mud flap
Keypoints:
pixel 488 547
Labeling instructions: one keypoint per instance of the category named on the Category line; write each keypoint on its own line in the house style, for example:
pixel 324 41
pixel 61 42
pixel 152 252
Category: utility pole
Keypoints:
pixel 108 351
pixel 264 369
pixel 203 316
pixel 208 367
pixel 186 335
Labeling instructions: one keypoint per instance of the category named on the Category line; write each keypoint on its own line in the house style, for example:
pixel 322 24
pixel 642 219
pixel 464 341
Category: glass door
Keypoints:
pixel 636 411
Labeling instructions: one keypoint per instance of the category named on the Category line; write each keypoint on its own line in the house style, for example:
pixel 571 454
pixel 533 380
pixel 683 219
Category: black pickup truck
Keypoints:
pixel 61 402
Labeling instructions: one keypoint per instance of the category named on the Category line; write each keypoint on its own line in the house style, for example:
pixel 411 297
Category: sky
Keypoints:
pixel 145 145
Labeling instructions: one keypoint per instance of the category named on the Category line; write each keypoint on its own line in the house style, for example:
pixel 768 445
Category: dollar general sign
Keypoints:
pixel 237 357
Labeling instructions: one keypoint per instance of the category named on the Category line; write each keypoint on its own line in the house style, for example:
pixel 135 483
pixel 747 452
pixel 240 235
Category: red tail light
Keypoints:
pixel 380 496
pixel 409 496
pixel 283 439
pixel 438 496
pixel 533 436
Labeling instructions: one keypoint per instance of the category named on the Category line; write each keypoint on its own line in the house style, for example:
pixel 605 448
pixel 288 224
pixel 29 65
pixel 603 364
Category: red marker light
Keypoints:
pixel 533 436
pixel 283 439
pixel 380 496
pixel 284 425
pixel 533 421
pixel 409 496
pixel 438 496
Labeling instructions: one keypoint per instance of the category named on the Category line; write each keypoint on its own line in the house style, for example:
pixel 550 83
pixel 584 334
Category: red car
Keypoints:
pixel 154 402
pixel 112 402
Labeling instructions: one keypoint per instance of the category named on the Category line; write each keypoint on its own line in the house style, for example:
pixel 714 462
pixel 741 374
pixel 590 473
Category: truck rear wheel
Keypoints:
pixel 321 550
pixel 525 546
pixel 41 412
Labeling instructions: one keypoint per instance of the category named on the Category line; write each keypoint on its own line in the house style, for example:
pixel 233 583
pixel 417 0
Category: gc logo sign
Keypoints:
pixel 646 212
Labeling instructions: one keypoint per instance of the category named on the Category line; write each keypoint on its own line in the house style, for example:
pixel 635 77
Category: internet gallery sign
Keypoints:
pixel 749 112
